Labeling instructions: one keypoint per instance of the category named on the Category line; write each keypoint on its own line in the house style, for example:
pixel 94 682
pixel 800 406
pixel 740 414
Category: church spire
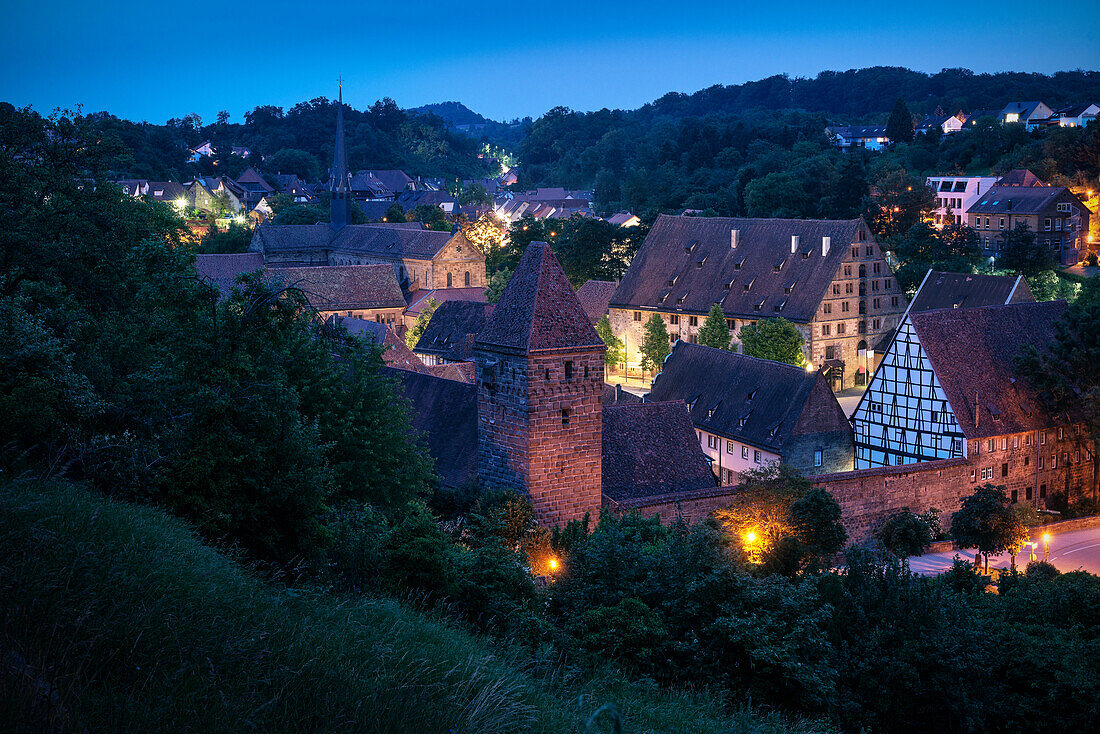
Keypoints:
pixel 339 190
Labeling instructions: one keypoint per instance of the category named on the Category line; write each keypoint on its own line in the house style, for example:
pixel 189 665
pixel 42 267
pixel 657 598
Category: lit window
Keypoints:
pixel 817 457
pixel 745 453
pixel 756 456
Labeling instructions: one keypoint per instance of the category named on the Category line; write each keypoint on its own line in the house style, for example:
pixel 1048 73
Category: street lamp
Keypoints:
pixel 750 542
pixel 1046 546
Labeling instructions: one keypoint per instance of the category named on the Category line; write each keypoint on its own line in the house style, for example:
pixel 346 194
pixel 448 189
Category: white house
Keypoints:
pixel 956 194
pixel 1077 115
pixel 871 137
pixel 946 123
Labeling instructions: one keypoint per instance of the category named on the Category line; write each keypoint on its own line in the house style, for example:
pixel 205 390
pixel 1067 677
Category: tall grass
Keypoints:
pixel 117 618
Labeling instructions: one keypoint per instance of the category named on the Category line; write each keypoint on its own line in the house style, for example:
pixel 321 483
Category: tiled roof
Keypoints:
pixel 395 353
pixel 223 270
pixel 594 296
pixel 538 309
pixel 168 191
pixel 1020 199
pixel 445 411
pixel 651 449
pixel 756 401
pixel 374 209
pixel 418 299
pixel 687 264
pixel 460 371
pixel 389 240
pixel 859 131
pixel 968 290
pixel 1019 177
pixel 251 179
pixel 454 326
pixel 344 287
pixel 973 350
pixel 615 395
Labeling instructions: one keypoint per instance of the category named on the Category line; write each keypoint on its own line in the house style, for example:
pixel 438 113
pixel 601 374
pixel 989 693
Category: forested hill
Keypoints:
pixel 455 113
pixel 759 149
pixel 865 93
pixel 299 140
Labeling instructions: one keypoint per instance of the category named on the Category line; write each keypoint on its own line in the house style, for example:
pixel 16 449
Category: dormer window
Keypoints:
pixel 661 298
pixel 680 300
pixel 748 284
pixel 737 265
pixel 691 247
pixel 729 285
pixel 790 287
pixel 752 394
pixel 778 265
pixel 672 280
pixel 700 262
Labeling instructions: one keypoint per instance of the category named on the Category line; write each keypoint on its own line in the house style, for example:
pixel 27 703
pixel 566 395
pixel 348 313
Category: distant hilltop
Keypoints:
pixel 455 113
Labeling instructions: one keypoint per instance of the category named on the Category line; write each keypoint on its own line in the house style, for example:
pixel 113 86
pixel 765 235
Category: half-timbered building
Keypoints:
pixel 948 388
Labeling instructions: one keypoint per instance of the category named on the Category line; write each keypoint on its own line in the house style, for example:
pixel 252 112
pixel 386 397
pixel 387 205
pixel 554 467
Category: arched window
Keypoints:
pixel 863 271
pixel 448 280
pixel 467 278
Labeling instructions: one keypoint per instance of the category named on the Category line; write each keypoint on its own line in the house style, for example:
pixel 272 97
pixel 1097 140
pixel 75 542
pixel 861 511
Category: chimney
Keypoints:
pixel 735 238
pixel 826 244
pixel 794 243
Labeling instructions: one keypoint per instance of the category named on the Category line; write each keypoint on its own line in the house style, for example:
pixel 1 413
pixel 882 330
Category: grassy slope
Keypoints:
pixel 134 624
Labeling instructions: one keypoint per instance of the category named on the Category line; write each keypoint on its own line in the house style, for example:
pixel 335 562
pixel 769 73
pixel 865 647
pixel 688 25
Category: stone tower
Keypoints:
pixel 539 382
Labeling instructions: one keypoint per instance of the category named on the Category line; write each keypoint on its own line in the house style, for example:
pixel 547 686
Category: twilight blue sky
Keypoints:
pixel 157 59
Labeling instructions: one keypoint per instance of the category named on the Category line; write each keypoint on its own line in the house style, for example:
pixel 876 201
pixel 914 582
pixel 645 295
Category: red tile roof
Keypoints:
pixel 344 287
pixel 650 449
pixel 223 270
pixel 594 296
pixel 538 310
pixel 453 328
pixel 973 351
pixel 687 264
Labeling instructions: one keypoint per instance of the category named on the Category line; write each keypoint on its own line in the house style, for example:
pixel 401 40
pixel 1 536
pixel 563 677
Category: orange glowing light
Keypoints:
pixel 553 564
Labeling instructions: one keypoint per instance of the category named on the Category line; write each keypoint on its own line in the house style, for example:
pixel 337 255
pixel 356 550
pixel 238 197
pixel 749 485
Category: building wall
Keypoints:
pixel 861 306
pixel 728 458
pixel 1064 232
pixel 381 315
pixel 904 416
pixel 527 442
pixel 957 201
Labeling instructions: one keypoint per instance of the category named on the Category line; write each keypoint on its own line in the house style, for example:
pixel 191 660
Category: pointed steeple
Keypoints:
pixel 340 188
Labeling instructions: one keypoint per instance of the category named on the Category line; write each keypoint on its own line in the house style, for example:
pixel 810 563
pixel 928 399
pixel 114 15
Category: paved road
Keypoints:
pixel 1070 551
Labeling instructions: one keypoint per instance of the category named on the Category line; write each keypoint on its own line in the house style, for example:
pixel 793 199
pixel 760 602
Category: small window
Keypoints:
pixel 674 319
pixel 448 280
pixel 568 369
pixel 1004 470
pixel 817 457
pixel 745 453
pixel 756 456
pixel 730 445
pixel 1054 461
pixel 693 321
pixel 467 278
pixel 1042 491
pixel 565 416
pixel 1027 492
pixel 637 315
pixel 1015 496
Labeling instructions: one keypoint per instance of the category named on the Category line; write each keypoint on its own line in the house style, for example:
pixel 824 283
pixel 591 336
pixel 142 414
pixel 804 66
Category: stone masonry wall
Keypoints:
pixel 526 442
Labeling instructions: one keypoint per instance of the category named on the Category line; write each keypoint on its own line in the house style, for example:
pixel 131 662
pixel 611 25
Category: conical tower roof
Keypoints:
pixel 538 311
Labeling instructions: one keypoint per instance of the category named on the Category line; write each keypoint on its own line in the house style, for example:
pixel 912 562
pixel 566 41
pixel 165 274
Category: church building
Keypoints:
pixel 421 259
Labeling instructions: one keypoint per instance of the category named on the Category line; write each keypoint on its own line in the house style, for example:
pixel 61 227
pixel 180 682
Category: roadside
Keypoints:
pixel 1072 550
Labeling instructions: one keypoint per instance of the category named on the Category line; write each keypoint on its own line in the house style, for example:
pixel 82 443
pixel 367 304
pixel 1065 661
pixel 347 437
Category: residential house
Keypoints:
pixel 946 124
pixel 409 200
pixel 869 137
pixel 254 186
pixel 168 192
pixel 1057 217
pixel 293 186
pixel 386 185
pixel 1077 115
pixel 750 412
pixel 955 194
pixel 1020 177
pixel 827 277
pixel 949 388
pixel 1032 114
pixel 624 219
